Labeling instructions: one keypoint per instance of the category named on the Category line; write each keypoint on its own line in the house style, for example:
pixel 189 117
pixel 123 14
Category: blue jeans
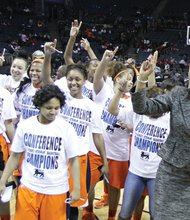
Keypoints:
pixel 134 187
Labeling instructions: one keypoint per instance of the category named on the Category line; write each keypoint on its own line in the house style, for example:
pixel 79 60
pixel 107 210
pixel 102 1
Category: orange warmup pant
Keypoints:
pixel 31 205
pixel 4 149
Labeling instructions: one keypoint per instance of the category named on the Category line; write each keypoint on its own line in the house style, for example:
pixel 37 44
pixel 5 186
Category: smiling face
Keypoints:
pixel 49 111
pixel 18 68
pixel 127 74
pixel 35 73
pixel 75 82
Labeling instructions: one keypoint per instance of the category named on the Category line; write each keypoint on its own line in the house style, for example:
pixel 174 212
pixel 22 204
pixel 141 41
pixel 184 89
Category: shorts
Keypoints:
pixel 84 180
pixel 30 205
pixel 118 173
pixel 95 163
pixel 4 152
pixel 117 169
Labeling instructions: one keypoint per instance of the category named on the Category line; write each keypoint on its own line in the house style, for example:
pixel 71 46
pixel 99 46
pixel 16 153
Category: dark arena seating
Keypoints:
pixel 138 27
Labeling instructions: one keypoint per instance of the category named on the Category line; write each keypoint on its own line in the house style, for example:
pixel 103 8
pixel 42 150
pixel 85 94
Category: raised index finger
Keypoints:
pixel 115 51
pixel 80 24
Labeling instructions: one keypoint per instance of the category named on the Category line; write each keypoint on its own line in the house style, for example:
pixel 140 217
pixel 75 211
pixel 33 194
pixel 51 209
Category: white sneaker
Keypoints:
pixel 7 194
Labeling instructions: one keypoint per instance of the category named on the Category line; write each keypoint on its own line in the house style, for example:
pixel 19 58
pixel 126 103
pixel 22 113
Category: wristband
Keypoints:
pixel 142 81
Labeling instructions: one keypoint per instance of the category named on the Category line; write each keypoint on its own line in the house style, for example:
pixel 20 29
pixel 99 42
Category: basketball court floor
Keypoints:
pixel 103 212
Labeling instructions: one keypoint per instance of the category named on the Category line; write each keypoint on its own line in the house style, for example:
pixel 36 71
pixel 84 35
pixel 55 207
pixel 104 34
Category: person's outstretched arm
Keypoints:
pixel 2 60
pixel 144 105
pixel 114 103
pixel 145 71
pixel 98 81
pixel 75 27
pixel 49 48
pixel 152 77
pixel 189 77
pixel 86 45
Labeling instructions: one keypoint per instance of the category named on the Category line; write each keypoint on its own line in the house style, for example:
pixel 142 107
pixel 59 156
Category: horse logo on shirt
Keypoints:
pixel 39 174
pixel 144 155
pixel 110 129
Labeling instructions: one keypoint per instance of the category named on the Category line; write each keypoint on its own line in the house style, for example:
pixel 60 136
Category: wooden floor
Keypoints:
pixel 101 213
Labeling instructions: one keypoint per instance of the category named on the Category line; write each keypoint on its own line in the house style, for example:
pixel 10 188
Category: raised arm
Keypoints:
pixel 86 45
pixel 2 57
pixel 49 48
pixel 75 27
pixel 2 60
pixel 189 77
pixel 98 81
pixel 152 77
pixel 114 103
pixel 145 71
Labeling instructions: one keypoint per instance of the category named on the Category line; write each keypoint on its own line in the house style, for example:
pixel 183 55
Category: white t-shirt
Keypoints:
pixel 62 84
pixel 8 81
pixel 7 110
pixel 116 139
pixel 47 149
pixel 84 115
pixel 86 90
pixel 149 134
pixel 109 81
pixel 24 104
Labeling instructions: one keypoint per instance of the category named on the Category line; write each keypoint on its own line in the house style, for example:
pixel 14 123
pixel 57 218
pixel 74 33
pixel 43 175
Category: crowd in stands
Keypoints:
pixel 137 31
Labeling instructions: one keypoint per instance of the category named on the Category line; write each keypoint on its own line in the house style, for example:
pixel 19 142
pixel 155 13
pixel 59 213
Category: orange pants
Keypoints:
pixel 4 155
pixel 31 205
pixel 95 163
pixel 84 176
pixel 4 151
pixel 118 170
pixel 5 148
pixel 118 173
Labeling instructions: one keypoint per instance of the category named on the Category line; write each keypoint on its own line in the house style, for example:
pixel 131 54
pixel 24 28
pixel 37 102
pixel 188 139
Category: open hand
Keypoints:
pixel 75 27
